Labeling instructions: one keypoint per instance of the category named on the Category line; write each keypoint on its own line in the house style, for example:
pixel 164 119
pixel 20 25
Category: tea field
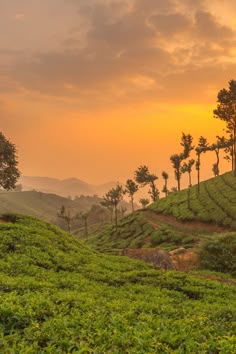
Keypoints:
pixel 59 296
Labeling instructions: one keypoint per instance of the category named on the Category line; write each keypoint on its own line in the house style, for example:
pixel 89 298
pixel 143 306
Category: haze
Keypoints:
pixel 95 88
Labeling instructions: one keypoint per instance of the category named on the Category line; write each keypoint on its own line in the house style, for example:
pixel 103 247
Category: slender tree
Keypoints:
pixel 226 111
pixel 9 173
pixel 106 203
pixel 84 217
pixel 66 215
pixel 144 178
pixel 187 168
pixel 221 143
pixel 165 187
pixel 131 188
pixel 202 147
pixel 144 202
pixel 176 160
pixel 187 144
pixel 113 198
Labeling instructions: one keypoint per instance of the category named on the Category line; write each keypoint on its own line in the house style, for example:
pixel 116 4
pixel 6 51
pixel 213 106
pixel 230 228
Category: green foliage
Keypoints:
pixel 219 254
pixel 9 173
pixel 58 296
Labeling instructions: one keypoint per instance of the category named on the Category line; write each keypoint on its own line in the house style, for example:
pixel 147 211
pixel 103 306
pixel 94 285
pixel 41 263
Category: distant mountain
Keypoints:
pixel 67 187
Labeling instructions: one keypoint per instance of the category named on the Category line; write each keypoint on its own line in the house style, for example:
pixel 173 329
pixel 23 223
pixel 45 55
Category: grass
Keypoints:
pixel 59 296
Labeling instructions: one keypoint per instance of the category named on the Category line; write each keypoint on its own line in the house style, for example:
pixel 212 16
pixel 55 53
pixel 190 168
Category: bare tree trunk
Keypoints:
pixel 190 179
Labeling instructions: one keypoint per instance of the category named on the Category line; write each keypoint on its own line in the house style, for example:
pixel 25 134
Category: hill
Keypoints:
pixel 183 219
pixel 67 187
pixel 216 202
pixel 58 296
pixel 46 206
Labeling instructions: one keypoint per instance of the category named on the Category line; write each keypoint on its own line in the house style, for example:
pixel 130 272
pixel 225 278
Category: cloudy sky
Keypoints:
pixel 94 88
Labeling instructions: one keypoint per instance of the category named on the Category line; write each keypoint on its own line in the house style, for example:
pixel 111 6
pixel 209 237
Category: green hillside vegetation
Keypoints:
pixel 46 206
pixel 58 296
pixel 142 230
pixel 216 202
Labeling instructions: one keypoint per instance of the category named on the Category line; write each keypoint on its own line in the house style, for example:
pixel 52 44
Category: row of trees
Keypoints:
pixel 183 162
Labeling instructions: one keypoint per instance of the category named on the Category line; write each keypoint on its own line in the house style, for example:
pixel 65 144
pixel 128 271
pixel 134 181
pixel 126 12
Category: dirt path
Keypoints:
pixel 194 225
pixel 216 278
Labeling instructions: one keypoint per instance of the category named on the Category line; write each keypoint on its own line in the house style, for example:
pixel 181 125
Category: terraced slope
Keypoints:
pixel 216 202
pixel 58 296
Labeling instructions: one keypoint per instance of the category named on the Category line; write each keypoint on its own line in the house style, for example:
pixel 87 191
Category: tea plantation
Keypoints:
pixel 58 296
pixel 216 202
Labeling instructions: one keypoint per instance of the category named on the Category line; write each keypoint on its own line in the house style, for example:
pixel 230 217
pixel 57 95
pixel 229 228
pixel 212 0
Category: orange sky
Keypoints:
pixel 93 91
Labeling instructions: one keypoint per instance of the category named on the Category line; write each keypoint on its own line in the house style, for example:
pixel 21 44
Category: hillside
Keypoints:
pixel 46 206
pixel 58 296
pixel 216 202
pixel 183 219
pixel 67 187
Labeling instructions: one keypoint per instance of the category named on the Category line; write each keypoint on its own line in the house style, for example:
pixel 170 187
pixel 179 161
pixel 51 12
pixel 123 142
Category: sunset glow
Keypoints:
pixel 94 89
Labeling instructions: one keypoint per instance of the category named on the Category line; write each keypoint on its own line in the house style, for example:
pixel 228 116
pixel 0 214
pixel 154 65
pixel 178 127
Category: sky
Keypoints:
pixel 93 89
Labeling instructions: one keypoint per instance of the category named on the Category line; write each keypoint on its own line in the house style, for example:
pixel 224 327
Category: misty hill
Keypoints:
pixel 46 206
pixel 182 219
pixel 58 296
pixel 67 187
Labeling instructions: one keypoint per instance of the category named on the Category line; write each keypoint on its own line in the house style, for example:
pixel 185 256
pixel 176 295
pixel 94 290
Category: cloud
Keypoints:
pixel 120 50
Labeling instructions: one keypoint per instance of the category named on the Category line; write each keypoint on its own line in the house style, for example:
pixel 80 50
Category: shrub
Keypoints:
pixel 219 254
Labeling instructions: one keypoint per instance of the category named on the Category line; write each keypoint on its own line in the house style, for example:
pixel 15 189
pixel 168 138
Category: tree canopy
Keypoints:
pixel 9 173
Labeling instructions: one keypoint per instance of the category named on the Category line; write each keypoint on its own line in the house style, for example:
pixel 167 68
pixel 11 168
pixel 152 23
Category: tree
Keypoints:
pixel 113 198
pixel 106 202
pixel 84 216
pixel 65 214
pixel 187 144
pixel 144 202
pixel 9 173
pixel 202 147
pixel 176 162
pixel 226 111
pixel 215 169
pixel 177 159
pixel 165 187
pixel 221 143
pixel 144 178
pixel 187 168
pixel 131 188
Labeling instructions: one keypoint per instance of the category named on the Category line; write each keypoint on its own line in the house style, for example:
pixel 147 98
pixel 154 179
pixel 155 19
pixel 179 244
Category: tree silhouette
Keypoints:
pixel 84 215
pixel 226 111
pixel 144 178
pixel 9 173
pixel 131 188
pixel 221 143
pixel 202 147
pixel 187 144
pixel 187 168
pixel 165 187
pixel 66 215
pixel 176 160
pixel 144 202
pixel 113 198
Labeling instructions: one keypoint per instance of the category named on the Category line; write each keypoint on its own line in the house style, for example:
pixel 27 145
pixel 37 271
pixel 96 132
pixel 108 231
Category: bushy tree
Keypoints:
pixel 131 188
pixel 187 144
pixel 144 202
pixel 144 178
pixel 226 111
pixel 9 173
